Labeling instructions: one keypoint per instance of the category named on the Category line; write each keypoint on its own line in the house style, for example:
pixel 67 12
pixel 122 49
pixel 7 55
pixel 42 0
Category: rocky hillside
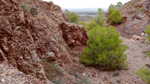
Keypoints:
pixel 136 16
pixel 35 40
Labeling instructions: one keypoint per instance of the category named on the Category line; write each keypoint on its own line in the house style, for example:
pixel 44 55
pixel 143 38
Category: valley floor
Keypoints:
pixel 136 55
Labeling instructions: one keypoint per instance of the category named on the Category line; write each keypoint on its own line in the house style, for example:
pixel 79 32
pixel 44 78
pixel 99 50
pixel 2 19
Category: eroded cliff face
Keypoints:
pixel 32 33
pixel 136 16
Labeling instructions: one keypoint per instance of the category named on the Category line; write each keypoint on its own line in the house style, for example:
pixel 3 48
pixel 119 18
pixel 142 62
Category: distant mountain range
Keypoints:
pixel 89 11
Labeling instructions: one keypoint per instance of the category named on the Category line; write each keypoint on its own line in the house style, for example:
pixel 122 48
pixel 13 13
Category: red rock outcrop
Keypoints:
pixel 34 31
pixel 136 16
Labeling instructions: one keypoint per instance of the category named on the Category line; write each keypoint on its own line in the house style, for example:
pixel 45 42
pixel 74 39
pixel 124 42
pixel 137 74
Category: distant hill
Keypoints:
pixel 85 11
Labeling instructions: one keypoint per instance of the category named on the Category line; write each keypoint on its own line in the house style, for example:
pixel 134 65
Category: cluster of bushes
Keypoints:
pixel 104 49
pixel 114 14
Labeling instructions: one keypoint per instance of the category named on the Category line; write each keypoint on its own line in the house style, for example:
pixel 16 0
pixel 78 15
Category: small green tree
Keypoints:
pixel 104 49
pixel 100 18
pixel 72 16
pixel 115 17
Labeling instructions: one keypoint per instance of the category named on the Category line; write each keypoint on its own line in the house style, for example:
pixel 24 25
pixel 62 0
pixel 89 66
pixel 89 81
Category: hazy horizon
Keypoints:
pixel 75 4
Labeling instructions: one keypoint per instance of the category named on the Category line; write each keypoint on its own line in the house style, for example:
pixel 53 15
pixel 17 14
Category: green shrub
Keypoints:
pixel 144 73
pixel 104 49
pixel 115 17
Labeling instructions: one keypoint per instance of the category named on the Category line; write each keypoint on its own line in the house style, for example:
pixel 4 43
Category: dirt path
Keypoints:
pixel 136 59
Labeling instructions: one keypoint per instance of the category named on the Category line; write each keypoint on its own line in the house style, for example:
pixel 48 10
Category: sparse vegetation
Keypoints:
pixel 97 21
pixel 137 8
pixel 34 11
pixel 53 72
pixel 131 3
pixel 115 17
pixel 81 23
pixel 147 30
pixel 31 10
pixel 25 7
pixel 144 73
pixel 142 10
pixel 104 49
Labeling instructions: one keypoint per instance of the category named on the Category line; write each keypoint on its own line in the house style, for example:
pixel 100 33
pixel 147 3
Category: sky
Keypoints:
pixel 86 3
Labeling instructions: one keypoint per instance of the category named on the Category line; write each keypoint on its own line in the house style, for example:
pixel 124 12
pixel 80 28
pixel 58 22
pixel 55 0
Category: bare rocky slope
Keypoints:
pixel 36 42
pixel 136 16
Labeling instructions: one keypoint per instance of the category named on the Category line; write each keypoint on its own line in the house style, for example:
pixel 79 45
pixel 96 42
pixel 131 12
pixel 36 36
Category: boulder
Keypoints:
pixel 136 37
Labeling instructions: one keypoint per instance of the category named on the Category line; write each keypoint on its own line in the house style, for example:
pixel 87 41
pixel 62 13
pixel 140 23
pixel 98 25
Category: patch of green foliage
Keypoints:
pixel 97 21
pixel 72 16
pixel 148 54
pixel 81 23
pixel 115 17
pixel 147 31
pixel 104 49
pixel 144 73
